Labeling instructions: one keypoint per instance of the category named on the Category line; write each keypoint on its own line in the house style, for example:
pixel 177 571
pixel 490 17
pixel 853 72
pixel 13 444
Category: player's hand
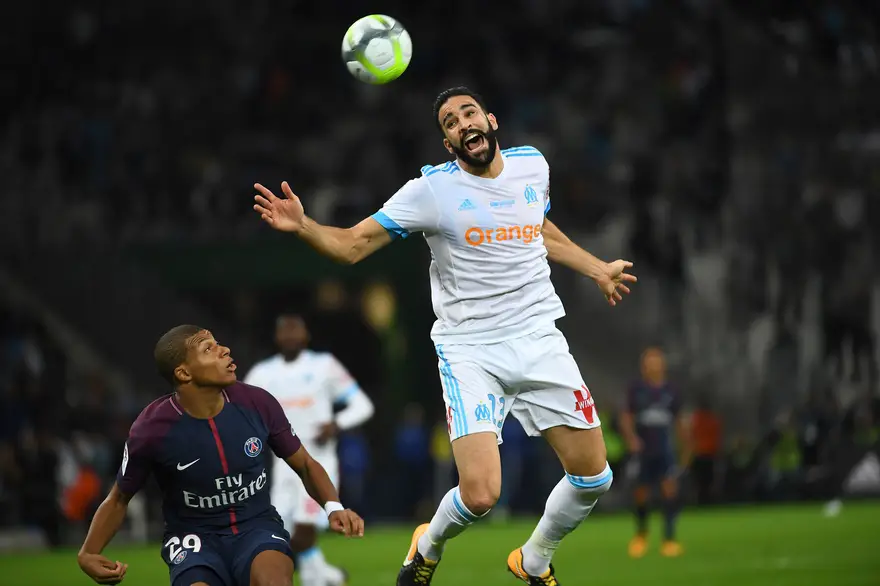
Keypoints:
pixel 613 281
pixel 326 433
pixel 347 522
pixel 101 569
pixel 635 445
pixel 685 460
pixel 282 214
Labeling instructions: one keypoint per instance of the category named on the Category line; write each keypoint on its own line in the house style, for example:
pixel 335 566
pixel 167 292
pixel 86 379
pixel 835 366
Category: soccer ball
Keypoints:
pixel 376 49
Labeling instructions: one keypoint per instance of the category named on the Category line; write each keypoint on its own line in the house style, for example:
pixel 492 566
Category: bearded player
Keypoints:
pixel 484 218
pixel 310 386
pixel 207 445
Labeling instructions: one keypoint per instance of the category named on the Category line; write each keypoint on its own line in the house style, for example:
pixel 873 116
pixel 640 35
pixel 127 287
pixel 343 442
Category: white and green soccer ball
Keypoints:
pixel 376 49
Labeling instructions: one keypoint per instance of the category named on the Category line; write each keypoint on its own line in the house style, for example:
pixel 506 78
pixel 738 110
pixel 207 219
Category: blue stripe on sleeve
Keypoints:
pixel 346 395
pixel 390 225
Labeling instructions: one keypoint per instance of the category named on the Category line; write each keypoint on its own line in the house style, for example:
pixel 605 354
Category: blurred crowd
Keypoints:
pixel 743 134
pixel 61 430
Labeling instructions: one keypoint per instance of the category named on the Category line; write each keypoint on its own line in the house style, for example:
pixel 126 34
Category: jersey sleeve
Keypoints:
pixel 411 209
pixel 340 384
pixel 282 438
pixel 136 459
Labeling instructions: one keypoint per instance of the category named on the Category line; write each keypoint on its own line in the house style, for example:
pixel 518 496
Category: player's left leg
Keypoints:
pixel 671 508
pixel 260 554
pixel 271 568
pixel 555 402
pixel 588 476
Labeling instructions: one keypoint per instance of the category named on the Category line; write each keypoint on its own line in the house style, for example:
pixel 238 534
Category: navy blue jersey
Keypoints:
pixel 212 472
pixel 654 411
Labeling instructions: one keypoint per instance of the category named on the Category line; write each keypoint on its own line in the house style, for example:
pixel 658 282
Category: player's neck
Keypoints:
pixel 201 402
pixel 291 356
pixel 655 382
pixel 491 171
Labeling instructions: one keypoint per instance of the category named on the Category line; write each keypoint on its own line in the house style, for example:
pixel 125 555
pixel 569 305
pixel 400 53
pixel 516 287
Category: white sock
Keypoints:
pixel 333 576
pixel 311 567
pixel 451 518
pixel 567 506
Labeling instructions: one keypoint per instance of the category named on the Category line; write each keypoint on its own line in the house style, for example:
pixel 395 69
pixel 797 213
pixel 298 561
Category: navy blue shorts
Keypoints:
pixel 654 468
pixel 222 560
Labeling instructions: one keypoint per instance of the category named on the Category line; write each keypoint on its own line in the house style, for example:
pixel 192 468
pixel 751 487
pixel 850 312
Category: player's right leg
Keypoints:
pixel 194 559
pixel 479 470
pixel 476 408
pixel 199 576
pixel 638 545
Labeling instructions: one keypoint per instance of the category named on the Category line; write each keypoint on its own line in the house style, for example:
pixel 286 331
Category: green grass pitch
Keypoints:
pixel 769 546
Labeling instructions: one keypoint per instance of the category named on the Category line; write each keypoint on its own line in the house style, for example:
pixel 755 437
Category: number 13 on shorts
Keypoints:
pixel 465 416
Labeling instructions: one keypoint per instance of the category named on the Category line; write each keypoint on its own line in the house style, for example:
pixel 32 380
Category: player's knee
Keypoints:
pixel 304 537
pixel 277 577
pixel 593 486
pixel 670 489
pixel 480 499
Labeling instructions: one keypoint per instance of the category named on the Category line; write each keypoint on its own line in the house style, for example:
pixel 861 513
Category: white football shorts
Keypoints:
pixel 534 377
pixel 290 498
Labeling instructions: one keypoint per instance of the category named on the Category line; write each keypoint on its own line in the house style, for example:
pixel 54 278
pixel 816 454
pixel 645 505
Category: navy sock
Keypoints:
pixel 641 519
pixel 670 509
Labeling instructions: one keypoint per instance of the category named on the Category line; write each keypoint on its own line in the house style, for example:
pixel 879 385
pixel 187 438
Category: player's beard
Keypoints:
pixel 482 160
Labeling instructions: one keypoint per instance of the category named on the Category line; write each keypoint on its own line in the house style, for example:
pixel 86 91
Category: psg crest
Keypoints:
pixel 253 447
pixel 179 557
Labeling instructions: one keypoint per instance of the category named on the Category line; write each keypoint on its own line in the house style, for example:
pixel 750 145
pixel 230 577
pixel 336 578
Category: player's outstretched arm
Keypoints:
pixel 610 277
pixel 106 522
pixel 344 245
pixel 320 487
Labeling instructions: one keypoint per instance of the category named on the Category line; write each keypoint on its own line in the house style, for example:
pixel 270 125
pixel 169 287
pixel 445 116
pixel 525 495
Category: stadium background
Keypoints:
pixel 729 149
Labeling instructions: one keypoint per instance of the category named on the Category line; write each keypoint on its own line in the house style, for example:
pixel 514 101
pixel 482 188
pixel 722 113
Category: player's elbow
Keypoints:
pixel 352 258
pixel 365 405
pixel 355 247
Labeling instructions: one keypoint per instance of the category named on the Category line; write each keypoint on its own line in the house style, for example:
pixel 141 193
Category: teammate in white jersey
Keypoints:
pixel 310 386
pixel 484 218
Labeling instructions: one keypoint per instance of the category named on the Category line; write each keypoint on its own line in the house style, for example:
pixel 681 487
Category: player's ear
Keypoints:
pixel 493 122
pixel 448 146
pixel 182 374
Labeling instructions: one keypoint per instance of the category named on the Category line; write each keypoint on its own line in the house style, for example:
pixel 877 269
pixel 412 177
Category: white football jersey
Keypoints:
pixel 307 388
pixel 490 279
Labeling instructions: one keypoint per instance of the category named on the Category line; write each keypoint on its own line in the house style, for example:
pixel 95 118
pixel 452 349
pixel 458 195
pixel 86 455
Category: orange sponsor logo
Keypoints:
pixel 477 236
pixel 297 403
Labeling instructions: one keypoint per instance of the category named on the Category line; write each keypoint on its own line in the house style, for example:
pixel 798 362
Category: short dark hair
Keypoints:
pixel 170 351
pixel 460 90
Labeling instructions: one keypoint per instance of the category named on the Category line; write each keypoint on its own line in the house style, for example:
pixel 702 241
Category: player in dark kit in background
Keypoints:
pixel 649 423
pixel 205 444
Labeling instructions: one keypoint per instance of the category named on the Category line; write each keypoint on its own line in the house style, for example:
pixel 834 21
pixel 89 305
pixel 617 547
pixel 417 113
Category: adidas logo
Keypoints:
pixel 865 477
pixel 466 205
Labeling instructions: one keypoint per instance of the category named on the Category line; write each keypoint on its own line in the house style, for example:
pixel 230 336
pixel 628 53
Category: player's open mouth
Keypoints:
pixel 231 367
pixel 474 141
